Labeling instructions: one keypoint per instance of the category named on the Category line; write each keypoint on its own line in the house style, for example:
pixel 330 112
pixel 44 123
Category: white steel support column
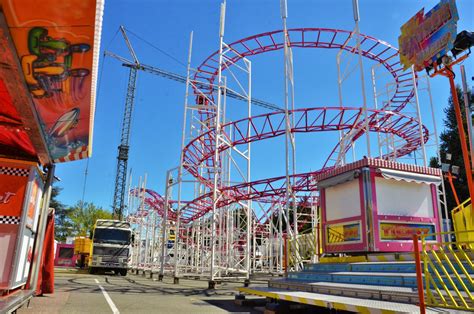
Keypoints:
pixel 249 202
pixel 347 139
pixel 181 160
pixel 164 225
pixel 215 196
pixel 418 113
pixel 374 89
pixel 289 138
pixel 147 227
pixel 127 210
pixel 141 211
pixel 442 202
pixel 280 238
pixel 355 4
pixel 341 103
pixel 153 240
pixel 270 238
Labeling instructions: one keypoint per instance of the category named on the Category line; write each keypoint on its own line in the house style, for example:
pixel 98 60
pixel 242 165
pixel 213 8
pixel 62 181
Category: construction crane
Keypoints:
pixel 123 148
pixel 182 79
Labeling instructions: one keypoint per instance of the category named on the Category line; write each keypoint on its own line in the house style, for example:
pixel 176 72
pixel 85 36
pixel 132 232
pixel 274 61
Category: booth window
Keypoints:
pixel 66 252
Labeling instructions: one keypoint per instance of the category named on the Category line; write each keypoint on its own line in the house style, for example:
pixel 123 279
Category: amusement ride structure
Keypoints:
pixel 213 220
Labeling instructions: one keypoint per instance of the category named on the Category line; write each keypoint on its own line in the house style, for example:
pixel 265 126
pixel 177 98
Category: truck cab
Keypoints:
pixel 110 247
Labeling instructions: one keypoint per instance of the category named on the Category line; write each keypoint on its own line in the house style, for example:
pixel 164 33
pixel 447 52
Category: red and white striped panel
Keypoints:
pixel 79 153
pixel 380 163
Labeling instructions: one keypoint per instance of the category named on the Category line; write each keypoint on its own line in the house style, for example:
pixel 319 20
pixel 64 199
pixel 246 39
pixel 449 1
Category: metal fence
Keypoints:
pixel 445 270
pixel 302 249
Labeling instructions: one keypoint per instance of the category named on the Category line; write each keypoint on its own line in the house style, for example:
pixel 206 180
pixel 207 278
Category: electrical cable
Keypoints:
pixel 85 182
pixel 155 47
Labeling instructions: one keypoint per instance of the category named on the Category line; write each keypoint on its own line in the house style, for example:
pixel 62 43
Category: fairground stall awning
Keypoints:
pixel 48 72
pixel 410 176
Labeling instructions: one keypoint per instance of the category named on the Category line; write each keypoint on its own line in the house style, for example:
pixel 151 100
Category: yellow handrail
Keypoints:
pixel 302 248
pixel 448 270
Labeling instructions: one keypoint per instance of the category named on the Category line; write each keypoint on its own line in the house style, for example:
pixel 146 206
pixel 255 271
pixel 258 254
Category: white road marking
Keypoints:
pixel 108 299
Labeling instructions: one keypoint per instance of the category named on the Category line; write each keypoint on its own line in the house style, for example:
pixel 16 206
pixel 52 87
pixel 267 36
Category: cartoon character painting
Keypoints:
pixel 49 72
pixel 48 67
pixel 55 42
pixel 59 131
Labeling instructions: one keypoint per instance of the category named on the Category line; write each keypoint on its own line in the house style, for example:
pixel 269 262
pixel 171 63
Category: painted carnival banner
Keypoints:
pixel 390 231
pixel 427 37
pixel 342 233
pixel 57 43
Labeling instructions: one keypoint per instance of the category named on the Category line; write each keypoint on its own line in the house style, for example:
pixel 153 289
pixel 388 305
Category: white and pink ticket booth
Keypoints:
pixel 375 205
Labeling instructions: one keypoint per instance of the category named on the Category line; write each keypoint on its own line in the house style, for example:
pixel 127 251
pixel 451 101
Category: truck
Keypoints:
pixel 111 244
pixel 82 251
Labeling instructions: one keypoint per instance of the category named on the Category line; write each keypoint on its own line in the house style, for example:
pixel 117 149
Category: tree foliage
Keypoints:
pixel 63 226
pixel 77 220
pixel 84 216
pixel 451 144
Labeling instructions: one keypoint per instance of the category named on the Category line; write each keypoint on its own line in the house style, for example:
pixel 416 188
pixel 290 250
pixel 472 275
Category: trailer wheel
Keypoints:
pixel 123 272
pixel 92 270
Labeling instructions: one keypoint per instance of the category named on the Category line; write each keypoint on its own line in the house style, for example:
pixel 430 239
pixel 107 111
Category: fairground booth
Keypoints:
pixel 49 57
pixel 375 205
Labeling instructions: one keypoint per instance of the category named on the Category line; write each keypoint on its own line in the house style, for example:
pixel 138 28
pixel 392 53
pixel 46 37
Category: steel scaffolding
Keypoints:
pixel 214 221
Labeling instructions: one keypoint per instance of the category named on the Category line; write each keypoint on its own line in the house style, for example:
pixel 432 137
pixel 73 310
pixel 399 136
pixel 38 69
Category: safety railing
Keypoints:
pixel 303 248
pixel 445 270
pixel 334 236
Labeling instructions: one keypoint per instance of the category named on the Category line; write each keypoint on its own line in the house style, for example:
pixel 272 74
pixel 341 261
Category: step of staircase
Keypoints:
pixel 337 302
pixel 373 278
pixel 374 292
pixel 379 267
pixel 368 278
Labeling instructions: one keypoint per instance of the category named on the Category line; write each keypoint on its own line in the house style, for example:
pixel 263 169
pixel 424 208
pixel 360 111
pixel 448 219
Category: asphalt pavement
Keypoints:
pixel 85 293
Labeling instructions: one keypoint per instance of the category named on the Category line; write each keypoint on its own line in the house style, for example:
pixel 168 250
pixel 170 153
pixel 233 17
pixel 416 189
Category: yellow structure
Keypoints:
pixel 463 221
pixel 82 247
pixel 302 248
pixel 448 271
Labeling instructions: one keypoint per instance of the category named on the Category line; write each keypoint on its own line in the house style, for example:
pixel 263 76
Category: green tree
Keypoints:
pixel 450 144
pixel 63 225
pixel 84 216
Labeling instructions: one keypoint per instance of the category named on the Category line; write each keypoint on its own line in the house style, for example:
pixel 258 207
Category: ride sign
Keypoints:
pixel 427 37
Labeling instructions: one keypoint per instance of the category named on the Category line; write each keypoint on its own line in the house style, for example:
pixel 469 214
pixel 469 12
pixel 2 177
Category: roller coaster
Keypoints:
pixel 233 228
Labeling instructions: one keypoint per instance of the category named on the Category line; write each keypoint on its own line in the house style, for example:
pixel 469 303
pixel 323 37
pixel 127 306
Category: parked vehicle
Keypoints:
pixel 110 248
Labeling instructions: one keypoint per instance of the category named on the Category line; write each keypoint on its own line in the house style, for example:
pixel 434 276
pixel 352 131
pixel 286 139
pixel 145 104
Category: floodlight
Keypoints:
pixel 445 167
pixel 455 170
pixel 464 41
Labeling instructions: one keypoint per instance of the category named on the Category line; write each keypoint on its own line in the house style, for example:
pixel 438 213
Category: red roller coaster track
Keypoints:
pixel 386 120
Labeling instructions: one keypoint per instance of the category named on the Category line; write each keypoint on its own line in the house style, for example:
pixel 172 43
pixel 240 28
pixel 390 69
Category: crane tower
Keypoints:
pixel 123 148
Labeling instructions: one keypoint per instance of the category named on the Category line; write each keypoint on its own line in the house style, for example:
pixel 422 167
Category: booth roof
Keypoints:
pixel 378 163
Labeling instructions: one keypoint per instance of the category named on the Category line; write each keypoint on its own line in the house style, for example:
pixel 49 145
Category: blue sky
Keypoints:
pixel 157 121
